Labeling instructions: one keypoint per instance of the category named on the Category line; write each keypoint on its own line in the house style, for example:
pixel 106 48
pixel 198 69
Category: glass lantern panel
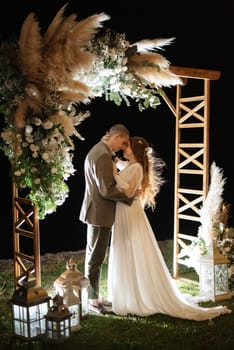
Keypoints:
pixel 20 312
pixel 67 326
pixel 84 302
pixel 49 334
pixel 37 320
pixel 34 312
pixel 51 329
pixel 35 329
pixel 21 328
pixel 75 317
pixel 62 326
pixel 221 279
pixel 56 329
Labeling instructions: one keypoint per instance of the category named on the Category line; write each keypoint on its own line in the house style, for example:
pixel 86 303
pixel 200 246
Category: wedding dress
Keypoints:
pixel 139 282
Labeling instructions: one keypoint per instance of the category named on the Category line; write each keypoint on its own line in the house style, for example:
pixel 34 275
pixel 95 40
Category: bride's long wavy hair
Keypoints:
pixel 152 170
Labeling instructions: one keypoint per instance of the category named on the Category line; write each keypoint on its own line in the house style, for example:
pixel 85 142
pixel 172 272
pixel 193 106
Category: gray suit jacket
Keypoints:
pixel 101 194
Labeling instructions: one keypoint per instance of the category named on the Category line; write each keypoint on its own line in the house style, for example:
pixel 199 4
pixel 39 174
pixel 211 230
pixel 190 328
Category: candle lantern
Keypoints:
pixel 58 320
pixel 213 276
pixel 72 286
pixel 29 305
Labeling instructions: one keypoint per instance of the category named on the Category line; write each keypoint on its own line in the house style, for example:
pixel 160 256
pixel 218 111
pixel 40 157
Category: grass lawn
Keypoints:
pixel 104 332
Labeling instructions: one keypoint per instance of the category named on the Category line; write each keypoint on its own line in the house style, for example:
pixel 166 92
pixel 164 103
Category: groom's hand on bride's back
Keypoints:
pixel 137 193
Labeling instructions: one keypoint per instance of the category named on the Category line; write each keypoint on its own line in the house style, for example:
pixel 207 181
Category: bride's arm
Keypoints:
pixel 120 183
pixel 131 181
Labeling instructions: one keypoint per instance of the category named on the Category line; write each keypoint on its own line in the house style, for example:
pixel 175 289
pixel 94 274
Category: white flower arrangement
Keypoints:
pixel 111 77
pixel 46 80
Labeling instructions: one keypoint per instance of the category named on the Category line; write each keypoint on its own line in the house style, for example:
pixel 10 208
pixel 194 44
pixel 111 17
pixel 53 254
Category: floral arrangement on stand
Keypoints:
pixel 46 81
pixel 214 228
pixel 225 240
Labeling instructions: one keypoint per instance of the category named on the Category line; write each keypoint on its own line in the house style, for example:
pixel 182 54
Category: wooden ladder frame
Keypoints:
pixel 191 155
pixel 25 230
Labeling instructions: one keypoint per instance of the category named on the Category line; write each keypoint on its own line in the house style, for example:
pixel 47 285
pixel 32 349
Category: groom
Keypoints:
pixel 98 207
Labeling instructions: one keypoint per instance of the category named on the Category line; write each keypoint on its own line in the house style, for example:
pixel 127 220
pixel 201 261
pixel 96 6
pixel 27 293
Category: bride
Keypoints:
pixel 139 282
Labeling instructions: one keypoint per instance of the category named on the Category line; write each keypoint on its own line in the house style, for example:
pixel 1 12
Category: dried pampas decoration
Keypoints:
pixel 51 61
pixel 210 212
pixel 149 65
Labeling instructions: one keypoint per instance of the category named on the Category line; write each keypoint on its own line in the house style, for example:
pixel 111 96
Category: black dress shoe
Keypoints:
pixel 100 309
pixel 107 310
pixel 106 302
pixel 95 309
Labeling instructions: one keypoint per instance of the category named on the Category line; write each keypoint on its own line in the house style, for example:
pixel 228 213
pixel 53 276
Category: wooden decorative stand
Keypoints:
pixel 213 277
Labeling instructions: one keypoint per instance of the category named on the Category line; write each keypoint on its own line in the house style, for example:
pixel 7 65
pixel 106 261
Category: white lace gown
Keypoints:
pixel 139 282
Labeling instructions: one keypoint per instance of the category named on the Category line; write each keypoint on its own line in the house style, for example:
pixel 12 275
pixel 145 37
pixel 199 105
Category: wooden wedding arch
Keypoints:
pixel 192 114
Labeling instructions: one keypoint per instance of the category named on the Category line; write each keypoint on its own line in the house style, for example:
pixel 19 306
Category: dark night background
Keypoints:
pixel 204 39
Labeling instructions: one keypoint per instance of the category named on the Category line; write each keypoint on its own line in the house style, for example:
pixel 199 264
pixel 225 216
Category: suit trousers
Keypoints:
pixel 98 239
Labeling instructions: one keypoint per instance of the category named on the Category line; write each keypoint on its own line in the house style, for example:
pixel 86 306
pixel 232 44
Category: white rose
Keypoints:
pixel 28 129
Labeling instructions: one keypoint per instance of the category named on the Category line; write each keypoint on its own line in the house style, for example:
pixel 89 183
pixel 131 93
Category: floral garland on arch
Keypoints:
pixel 46 80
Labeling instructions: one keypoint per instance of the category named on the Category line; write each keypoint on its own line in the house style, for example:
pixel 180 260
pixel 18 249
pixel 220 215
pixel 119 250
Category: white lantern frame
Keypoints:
pixel 72 286
pixel 72 300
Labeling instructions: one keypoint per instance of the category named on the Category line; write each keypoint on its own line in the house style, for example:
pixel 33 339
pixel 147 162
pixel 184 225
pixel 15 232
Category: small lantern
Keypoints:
pixel 213 277
pixel 72 286
pixel 29 305
pixel 58 320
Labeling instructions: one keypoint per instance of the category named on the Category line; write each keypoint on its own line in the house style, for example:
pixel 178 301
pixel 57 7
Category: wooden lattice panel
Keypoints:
pixel 192 112
pixel 25 238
